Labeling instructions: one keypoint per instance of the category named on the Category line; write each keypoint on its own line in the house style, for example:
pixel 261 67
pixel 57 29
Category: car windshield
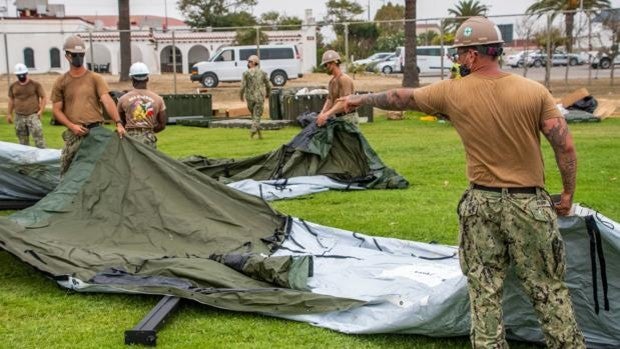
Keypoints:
pixel 217 53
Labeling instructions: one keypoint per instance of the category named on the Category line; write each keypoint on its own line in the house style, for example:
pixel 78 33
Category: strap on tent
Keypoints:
pixel 596 248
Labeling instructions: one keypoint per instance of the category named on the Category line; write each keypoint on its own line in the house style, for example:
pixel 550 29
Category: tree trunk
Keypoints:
pixel 125 35
pixel 410 74
pixel 570 23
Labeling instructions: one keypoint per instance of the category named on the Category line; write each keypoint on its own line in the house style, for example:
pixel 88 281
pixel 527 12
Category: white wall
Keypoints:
pixel 43 34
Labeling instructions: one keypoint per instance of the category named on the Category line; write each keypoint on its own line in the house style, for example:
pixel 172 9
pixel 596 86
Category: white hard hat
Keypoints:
pixel 21 68
pixel 139 71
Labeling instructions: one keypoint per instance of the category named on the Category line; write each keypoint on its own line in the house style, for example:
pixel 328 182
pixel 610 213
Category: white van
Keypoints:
pixel 280 62
pixel 428 59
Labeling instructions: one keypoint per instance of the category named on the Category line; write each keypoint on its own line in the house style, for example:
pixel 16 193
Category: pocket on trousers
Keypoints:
pixel 541 210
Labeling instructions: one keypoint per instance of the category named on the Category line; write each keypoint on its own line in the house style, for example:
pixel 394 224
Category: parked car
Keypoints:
pixel 604 61
pixel 375 57
pixel 372 67
pixel 539 59
pixel 429 59
pixel 280 62
pixel 518 59
pixel 389 66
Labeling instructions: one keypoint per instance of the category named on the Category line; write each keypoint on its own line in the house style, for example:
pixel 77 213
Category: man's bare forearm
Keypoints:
pixel 562 143
pixel 397 99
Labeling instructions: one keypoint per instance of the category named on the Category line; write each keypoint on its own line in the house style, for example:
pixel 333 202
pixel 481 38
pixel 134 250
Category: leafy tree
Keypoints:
pixel 465 8
pixel 389 43
pixel 554 37
pixel 274 19
pixel 427 37
pixel 217 13
pixel 390 12
pixel 364 37
pixel 410 75
pixel 248 37
pixel 342 11
pixel 555 7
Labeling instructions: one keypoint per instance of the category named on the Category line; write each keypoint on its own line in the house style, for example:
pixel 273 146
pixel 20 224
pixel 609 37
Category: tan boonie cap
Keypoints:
pixel 330 56
pixel 74 44
pixel 477 31
pixel 253 58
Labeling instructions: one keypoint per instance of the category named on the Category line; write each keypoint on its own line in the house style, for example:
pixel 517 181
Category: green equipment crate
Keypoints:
pixel 187 106
pixel 292 106
pixel 275 109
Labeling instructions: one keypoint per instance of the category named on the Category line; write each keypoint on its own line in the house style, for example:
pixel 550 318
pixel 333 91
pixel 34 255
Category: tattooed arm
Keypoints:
pixel 397 99
pixel 561 141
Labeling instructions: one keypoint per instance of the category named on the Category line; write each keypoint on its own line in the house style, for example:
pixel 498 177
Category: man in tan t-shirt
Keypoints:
pixel 340 85
pixel 505 216
pixel 77 97
pixel 143 112
pixel 27 100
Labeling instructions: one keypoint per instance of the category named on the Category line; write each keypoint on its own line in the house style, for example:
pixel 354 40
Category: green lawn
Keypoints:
pixel 34 312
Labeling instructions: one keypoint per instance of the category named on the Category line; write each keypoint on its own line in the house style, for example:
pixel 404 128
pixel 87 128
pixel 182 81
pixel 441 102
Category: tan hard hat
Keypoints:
pixel 253 58
pixel 477 31
pixel 74 44
pixel 330 56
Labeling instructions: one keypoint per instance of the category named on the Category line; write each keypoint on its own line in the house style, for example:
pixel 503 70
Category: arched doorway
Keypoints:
pixel 165 60
pixel 196 54
pixel 101 59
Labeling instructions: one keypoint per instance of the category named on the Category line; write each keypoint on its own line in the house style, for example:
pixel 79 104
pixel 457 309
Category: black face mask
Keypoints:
pixel 464 70
pixel 77 61
pixel 22 77
pixel 249 66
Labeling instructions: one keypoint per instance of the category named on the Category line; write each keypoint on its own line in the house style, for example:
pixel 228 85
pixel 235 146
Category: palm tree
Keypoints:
pixel 125 36
pixel 554 7
pixel 410 74
pixel 466 8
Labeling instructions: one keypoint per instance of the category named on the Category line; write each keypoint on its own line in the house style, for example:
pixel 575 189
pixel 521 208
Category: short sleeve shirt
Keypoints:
pixel 81 96
pixel 26 97
pixel 499 121
pixel 140 108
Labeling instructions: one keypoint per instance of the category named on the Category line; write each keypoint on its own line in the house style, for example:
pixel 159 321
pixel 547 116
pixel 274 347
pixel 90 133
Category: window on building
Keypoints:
pixel 29 57
pixel 54 57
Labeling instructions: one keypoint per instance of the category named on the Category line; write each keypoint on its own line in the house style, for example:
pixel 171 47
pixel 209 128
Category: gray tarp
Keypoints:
pixel 413 287
pixel 129 219
pixel 27 173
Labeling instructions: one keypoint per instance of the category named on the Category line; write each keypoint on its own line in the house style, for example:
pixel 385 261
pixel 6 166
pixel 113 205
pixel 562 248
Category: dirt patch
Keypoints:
pixel 226 95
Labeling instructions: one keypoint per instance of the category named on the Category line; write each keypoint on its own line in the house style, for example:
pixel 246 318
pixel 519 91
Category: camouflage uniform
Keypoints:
pixel 144 136
pixel 26 125
pixel 252 90
pixel 72 144
pixel 499 227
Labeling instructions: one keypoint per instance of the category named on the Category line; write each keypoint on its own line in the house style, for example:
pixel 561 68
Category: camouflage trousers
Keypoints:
pixel 256 109
pixel 352 118
pixel 497 228
pixel 26 125
pixel 144 135
pixel 72 144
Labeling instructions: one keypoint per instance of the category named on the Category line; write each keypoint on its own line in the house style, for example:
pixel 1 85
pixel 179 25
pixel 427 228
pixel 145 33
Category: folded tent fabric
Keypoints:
pixel 127 208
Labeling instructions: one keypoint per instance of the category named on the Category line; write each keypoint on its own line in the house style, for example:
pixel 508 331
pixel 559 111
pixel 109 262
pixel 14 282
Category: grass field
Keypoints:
pixel 35 313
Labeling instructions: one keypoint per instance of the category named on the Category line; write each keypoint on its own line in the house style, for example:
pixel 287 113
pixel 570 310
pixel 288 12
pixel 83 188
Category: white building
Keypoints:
pixel 37 42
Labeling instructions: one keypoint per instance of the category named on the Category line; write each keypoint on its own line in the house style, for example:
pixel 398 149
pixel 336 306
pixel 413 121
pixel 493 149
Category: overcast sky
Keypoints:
pixel 426 8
